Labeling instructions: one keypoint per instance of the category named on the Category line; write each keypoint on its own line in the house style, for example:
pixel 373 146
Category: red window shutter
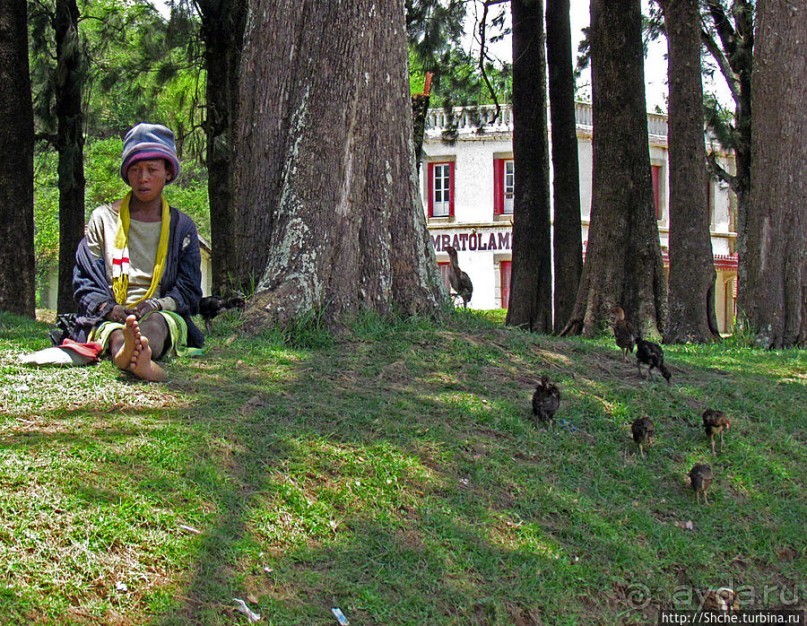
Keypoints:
pixel 505 269
pixel 430 187
pixel 444 267
pixel 498 186
pixel 451 189
pixel 656 170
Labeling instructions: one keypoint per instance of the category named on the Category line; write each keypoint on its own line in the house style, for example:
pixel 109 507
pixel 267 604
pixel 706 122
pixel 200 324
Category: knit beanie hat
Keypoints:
pixel 149 141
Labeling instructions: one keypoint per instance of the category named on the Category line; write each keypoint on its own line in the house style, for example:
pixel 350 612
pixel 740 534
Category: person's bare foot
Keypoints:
pixel 124 358
pixel 142 365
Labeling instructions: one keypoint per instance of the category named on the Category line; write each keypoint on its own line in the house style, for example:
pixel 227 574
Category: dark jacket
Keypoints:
pixel 181 280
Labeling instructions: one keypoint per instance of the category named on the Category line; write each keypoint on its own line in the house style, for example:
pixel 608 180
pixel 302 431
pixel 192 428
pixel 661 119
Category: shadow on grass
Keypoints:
pixel 484 543
pixel 403 482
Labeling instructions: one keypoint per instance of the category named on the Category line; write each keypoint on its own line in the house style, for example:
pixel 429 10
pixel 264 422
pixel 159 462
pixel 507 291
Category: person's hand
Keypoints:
pixel 147 306
pixel 119 313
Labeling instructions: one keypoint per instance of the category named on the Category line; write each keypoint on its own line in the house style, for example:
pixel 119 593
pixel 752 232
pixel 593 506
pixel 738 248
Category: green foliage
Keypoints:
pixel 102 160
pixel 46 216
pixel 721 121
pixel 435 30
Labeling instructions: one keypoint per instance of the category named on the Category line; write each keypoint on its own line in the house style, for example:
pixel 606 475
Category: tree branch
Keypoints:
pixel 722 63
pixel 717 170
pixel 482 54
pixel 728 37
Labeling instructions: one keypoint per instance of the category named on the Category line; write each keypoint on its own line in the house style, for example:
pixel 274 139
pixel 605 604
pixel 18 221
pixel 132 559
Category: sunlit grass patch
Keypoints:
pixel 392 469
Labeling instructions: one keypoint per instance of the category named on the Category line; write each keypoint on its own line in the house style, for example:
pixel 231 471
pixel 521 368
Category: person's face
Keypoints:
pixel 148 178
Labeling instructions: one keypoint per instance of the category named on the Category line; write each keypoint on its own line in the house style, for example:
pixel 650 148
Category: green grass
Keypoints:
pixel 394 471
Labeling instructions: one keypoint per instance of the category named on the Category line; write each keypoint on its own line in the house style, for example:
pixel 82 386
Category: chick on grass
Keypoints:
pixel 701 477
pixel 545 401
pixel 715 423
pixel 643 432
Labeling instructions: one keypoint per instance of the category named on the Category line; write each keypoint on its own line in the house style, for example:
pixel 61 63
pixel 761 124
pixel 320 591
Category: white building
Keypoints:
pixel 467 188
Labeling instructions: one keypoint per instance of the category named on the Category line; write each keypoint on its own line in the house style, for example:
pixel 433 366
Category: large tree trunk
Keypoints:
pixel 773 296
pixel 531 282
pixel 623 259
pixel 567 241
pixel 17 274
pixel 692 315
pixel 222 31
pixel 324 174
pixel 69 80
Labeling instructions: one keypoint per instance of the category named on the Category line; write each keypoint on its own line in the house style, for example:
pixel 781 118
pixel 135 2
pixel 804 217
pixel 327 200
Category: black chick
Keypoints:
pixel 460 281
pixel 643 431
pixel 715 423
pixel 623 332
pixel 211 306
pixel 701 477
pixel 651 354
pixel 545 401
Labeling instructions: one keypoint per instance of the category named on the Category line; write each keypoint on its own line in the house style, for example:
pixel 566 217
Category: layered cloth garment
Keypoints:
pixel 175 279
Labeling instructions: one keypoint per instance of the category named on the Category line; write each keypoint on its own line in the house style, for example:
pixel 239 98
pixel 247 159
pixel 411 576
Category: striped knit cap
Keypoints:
pixel 149 141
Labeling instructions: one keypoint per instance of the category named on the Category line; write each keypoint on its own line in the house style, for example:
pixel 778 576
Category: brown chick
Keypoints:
pixel 701 477
pixel 715 423
pixel 545 401
pixel 723 599
pixel 623 332
pixel 643 432
pixel 460 281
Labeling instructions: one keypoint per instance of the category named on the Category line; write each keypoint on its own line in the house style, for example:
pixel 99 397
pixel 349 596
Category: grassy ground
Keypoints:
pixel 394 472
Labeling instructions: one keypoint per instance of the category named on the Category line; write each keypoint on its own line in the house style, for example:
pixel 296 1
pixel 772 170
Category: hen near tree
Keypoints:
pixel 623 332
pixel 459 280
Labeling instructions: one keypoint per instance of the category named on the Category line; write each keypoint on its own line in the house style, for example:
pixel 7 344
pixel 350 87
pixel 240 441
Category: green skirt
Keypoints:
pixel 177 331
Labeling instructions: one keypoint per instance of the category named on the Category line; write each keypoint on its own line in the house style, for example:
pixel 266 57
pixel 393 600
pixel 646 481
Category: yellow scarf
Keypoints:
pixel 120 257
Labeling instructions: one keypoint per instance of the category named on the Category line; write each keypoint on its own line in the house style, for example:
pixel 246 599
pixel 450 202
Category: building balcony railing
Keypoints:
pixel 479 120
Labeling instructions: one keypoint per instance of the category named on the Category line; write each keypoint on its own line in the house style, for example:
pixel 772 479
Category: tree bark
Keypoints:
pixel 17 273
pixel 324 175
pixel 69 81
pixel 623 259
pixel 773 295
pixel 531 280
pixel 692 316
pixel 567 240
pixel 223 23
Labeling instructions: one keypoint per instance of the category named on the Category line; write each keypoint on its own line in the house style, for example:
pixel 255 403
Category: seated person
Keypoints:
pixel 138 273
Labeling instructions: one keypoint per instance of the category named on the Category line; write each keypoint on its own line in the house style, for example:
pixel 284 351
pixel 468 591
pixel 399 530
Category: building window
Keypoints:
pixel 505 268
pixel 710 201
pixel 504 182
pixel 441 189
pixel 656 172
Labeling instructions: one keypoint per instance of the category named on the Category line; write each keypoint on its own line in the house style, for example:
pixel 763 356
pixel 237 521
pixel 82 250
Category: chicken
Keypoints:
pixel 623 332
pixel 459 280
pixel 643 432
pixel 701 477
pixel 211 306
pixel 723 599
pixel 545 401
pixel 651 354
pixel 715 423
